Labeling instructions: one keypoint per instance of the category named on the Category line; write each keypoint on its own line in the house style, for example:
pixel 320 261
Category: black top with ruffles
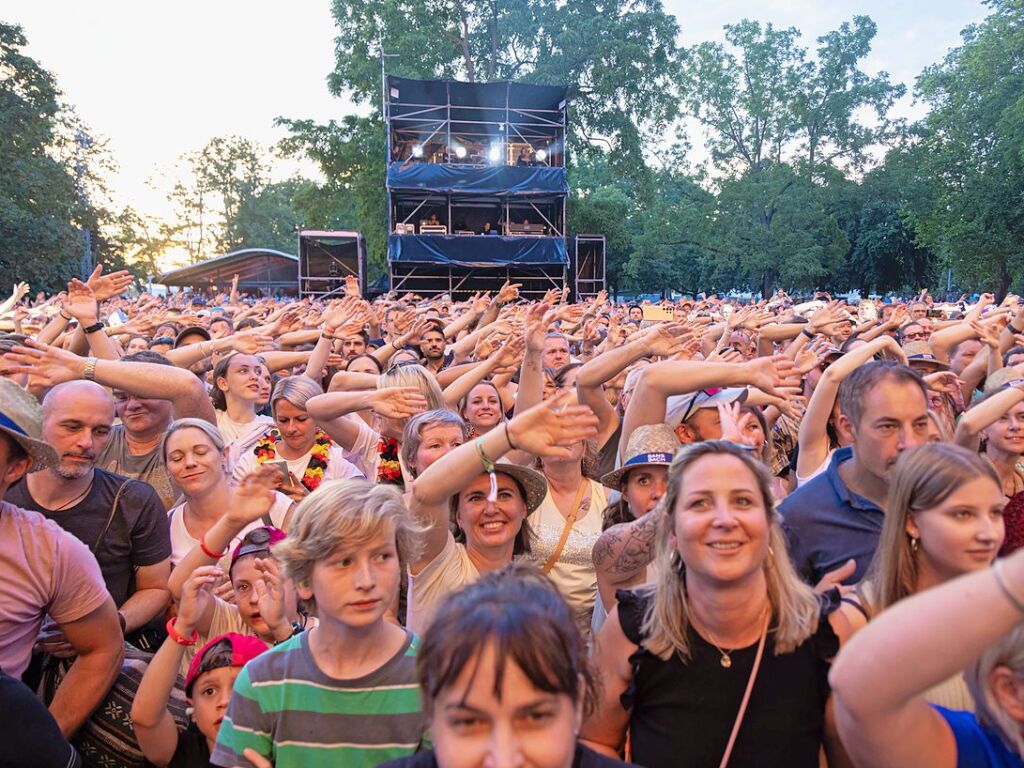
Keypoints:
pixel 681 713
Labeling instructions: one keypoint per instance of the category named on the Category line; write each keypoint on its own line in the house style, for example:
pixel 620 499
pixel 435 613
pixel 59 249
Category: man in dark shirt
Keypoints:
pixel 122 521
pixel 838 515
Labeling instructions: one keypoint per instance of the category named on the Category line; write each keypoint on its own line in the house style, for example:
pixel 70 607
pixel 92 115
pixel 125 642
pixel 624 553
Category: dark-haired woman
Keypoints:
pixel 504 677
pixel 488 502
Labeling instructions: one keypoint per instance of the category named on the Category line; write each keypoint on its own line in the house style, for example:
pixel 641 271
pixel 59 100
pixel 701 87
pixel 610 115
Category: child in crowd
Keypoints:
pixel 211 676
pixel 344 692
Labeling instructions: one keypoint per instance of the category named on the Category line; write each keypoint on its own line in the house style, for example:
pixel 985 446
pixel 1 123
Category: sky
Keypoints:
pixel 159 80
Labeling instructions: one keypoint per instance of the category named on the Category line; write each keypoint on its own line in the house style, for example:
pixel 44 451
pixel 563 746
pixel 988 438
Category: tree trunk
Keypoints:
pixel 768 283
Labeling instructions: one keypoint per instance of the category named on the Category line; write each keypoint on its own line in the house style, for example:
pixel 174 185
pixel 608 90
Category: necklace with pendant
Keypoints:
pixel 726 660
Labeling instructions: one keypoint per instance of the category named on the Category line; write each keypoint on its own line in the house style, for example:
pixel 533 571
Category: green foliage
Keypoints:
pixel 224 201
pixel 41 211
pixel 350 155
pixel 972 150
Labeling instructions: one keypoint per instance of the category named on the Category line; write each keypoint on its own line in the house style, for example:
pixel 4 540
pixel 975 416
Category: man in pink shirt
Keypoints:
pixel 47 572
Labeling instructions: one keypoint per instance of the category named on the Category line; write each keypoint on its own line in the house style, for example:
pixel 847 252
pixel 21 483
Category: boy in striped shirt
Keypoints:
pixel 344 692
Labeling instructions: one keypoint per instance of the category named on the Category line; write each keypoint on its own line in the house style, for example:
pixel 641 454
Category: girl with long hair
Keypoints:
pixel 944 518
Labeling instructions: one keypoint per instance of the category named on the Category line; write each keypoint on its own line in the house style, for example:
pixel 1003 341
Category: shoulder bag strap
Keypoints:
pixel 746 695
pixel 110 518
pixel 570 521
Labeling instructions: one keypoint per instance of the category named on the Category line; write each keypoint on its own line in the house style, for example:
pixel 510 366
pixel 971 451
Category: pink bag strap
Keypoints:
pixel 746 695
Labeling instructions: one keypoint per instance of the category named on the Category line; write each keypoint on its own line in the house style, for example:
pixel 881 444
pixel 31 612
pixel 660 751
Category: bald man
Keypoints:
pixel 121 520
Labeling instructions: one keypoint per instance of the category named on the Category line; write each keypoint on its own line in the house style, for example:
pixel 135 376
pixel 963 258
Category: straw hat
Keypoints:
pixel 652 445
pixel 1001 378
pixel 533 483
pixel 919 352
pixel 22 419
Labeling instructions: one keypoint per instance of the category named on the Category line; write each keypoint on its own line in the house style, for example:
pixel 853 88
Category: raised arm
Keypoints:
pixel 331 409
pixel 531 373
pixel 154 726
pixel 813 436
pixel 883 717
pixel 507 356
pixel 50 366
pixel 659 381
pixel 81 304
pixel 545 430
pixel 984 414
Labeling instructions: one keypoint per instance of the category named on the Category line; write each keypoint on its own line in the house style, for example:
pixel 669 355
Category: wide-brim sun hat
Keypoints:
pixel 21 417
pixel 919 353
pixel 532 482
pixel 650 445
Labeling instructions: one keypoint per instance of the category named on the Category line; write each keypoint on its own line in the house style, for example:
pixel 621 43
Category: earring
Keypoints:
pixel 677 564
pixel 915 544
pixel 189 711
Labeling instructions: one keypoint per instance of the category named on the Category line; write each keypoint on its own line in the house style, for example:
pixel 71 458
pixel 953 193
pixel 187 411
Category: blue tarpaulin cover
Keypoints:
pixel 474 251
pixel 487 180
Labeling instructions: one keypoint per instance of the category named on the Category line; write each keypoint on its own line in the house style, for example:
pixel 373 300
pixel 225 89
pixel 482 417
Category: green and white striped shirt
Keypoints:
pixel 288 710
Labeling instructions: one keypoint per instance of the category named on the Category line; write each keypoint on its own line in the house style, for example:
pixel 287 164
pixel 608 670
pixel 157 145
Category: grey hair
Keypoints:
pixel 297 390
pixel 412 435
pixel 1007 651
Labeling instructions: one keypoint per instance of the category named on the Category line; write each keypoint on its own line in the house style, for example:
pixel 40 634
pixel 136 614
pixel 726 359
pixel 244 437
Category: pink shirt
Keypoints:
pixel 43 571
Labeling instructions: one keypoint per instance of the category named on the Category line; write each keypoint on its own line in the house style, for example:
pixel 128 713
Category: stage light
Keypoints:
pixel 417 151
pixel 542 155
pixel 460 152
pixel 494 155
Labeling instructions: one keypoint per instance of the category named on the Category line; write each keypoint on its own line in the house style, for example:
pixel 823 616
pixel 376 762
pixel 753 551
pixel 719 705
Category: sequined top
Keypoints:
pixel 574 572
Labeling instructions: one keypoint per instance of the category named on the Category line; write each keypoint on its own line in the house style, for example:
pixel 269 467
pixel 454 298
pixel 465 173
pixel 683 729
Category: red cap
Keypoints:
pixel 243 649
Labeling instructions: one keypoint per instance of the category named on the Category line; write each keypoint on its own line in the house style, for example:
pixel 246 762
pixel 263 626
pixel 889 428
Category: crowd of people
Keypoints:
pixel 492 531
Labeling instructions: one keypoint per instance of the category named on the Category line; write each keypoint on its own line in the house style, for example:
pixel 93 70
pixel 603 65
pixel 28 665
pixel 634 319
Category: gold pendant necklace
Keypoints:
pixel 726 660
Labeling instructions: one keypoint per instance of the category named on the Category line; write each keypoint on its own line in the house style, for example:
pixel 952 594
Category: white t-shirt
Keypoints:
pixel 182 542
pixel 800 480
pixel 338 467
pixel 232 430
pixel 574 572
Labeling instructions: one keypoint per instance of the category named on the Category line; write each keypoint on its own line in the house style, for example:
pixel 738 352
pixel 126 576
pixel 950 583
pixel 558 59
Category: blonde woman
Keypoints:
pixel 197 461
pixel 944 519
pixel 727 636
pixel 881 678
pixel 305 454
pixel 394 396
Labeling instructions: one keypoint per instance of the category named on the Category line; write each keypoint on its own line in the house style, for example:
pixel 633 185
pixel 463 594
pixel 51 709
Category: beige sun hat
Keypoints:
pixel 21 418
pixel 532 481
pixel 652 445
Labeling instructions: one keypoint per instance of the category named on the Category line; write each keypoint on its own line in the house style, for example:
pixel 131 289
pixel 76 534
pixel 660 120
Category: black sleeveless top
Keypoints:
pixel 681 714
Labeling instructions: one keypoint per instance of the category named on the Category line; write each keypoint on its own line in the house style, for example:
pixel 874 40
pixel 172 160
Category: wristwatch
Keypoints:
pixel 97 326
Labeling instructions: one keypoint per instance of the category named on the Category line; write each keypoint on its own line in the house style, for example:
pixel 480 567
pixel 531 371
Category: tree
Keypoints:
pixel 762 100
pixel 224 200
pixel 972 149
pixel 41 210
pixel 779 126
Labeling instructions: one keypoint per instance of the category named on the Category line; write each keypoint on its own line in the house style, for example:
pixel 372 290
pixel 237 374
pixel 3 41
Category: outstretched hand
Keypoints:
pixel 553 426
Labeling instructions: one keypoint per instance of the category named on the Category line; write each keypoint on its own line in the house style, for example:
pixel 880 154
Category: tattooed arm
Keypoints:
pixel 622 554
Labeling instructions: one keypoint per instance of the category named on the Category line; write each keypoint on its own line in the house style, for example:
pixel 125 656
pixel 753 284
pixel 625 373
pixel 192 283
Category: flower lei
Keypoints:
pixel 389 470
pixel 319 459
